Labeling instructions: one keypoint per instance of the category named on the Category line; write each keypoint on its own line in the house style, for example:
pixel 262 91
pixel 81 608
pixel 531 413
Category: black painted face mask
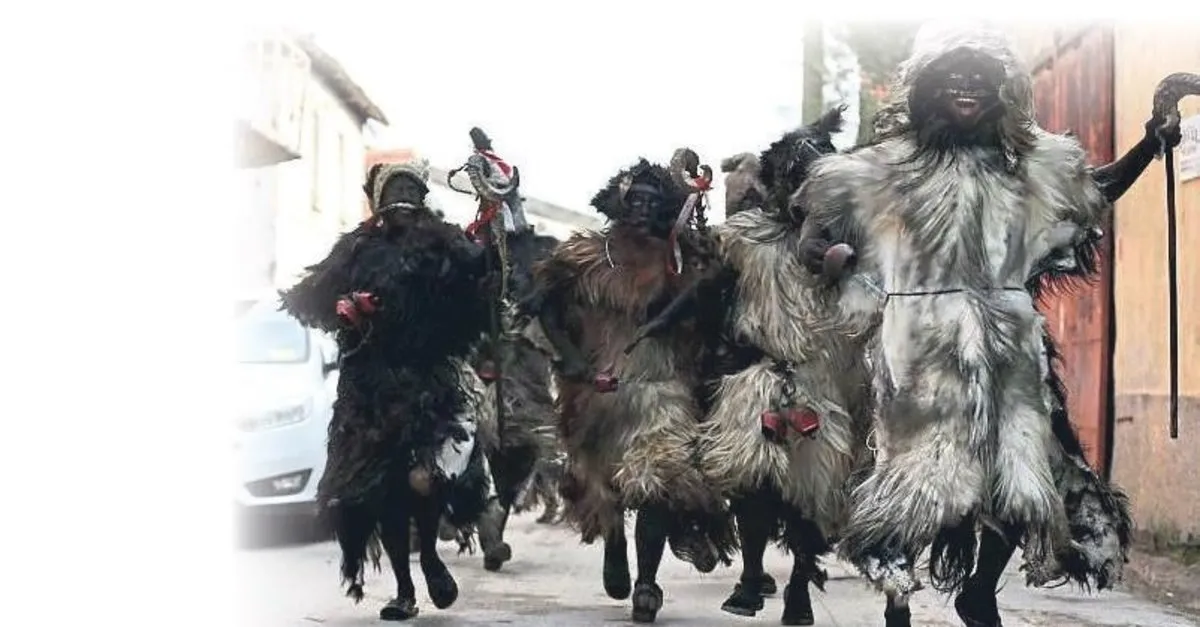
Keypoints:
pixel 647 208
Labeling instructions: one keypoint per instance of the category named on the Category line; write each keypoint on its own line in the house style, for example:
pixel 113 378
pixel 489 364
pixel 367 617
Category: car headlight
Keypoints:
pixel 280 485
pixel 275 419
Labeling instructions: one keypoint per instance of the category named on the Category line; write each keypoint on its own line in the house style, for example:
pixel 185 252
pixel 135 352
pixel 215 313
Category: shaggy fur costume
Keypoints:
pixel 634 446
pixel 405 391
pixel 517 444
pixel 947 234
pixel 535 354
pixel 743 183
pixel 773 315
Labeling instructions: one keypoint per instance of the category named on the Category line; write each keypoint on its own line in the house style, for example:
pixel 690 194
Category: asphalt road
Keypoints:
pixel 554 580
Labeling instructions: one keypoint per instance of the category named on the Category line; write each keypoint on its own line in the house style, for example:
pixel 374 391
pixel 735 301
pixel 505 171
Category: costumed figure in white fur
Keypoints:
pixel 949 221
pixel 786 424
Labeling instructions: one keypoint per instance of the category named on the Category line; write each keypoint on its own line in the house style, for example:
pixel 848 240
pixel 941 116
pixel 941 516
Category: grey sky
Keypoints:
pixel 572 91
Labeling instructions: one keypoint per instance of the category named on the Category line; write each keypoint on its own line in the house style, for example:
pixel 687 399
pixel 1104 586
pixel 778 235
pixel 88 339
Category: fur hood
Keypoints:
pixel 935 40
pixel 610 201
pixel 381 174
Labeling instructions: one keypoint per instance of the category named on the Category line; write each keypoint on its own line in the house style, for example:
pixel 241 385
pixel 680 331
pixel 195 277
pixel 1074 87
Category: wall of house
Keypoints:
pixel 318 196
pixel 1162 475
pixel 254 235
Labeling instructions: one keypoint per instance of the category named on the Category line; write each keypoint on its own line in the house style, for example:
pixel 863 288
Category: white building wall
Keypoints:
pixel 318 196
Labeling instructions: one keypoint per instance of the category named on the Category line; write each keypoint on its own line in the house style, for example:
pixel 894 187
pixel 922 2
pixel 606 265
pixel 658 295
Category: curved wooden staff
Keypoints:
pixel 1167 95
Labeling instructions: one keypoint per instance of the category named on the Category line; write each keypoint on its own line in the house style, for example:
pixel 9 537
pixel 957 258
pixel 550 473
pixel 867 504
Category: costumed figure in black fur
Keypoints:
pixel 542 486
pixel 405 294
pixel 510 362
pixel 935 240
pixel 786 426
pixel 630 420
pixel 521 446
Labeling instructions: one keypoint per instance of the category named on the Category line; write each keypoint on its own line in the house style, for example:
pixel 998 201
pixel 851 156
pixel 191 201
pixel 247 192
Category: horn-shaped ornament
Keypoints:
pixel 687 172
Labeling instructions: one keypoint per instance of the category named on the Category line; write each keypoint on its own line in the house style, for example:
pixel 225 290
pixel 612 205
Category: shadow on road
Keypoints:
pixel 272 532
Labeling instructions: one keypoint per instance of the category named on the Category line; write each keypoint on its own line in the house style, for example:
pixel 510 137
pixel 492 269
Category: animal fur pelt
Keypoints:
pixel 743 186
pixel 769 314
pixel 636 445
pixel 514 441
pixel 521 444
pixel 405 391
pixel 1098 512
pixel 774 313
pixel 947 234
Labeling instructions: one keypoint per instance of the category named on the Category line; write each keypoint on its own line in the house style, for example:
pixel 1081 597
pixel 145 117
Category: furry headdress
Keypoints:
pixel 936 40
pixel 743 187
pixel 610 201
pixel 380 174
pixel 785 163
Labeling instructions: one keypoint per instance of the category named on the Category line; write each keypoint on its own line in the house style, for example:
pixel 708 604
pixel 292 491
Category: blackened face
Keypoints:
pixel 648 208
pixel 961 89
pixel 402 189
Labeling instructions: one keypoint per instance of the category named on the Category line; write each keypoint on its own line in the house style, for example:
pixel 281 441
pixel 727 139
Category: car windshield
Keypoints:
pixel 271 340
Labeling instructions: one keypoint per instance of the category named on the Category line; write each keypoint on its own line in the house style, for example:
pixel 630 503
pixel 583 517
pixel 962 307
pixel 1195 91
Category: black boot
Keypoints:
pixel 399 609
pixel 616 570
pixel 897 617
pixel 442 588
pixel 491 537
pixel 768 586
pixel 647 600
pixel 747 598
pixel 976 606
pixel 797 604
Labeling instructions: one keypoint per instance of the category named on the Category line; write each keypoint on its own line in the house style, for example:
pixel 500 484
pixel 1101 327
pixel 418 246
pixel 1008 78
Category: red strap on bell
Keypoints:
pixel 366 302
pixel 804 421
pixel 487 372
pixel 606 381
pixel 347 311
pixel 773 425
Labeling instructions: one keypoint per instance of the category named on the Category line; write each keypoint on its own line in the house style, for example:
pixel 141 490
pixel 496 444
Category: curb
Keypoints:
pixel 1165 581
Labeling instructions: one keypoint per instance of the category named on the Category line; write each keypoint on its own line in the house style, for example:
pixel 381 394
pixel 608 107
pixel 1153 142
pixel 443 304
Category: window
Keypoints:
pixel 270 338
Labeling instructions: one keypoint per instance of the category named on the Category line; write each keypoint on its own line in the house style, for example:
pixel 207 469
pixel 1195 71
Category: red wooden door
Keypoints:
pixel 1073 91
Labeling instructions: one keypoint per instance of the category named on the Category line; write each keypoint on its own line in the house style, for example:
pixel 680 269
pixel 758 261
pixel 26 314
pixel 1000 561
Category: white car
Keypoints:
pixel 285 385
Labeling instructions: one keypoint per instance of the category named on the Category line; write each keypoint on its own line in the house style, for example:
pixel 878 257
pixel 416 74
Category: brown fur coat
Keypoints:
pixel 635 445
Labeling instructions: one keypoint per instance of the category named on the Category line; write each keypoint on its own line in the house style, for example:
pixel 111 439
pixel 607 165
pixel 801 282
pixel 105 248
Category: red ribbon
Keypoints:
pixel 701 185
pixel 487 212
pixel 500 163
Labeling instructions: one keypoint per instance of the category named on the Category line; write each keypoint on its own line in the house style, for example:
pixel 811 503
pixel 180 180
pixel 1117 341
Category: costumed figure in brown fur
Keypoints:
pixel 785 425
pixel 935 239
pixel 630 422
pixel 405 295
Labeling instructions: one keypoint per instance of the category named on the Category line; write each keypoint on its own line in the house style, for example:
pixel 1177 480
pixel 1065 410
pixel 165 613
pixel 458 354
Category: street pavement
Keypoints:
pixel 554 580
